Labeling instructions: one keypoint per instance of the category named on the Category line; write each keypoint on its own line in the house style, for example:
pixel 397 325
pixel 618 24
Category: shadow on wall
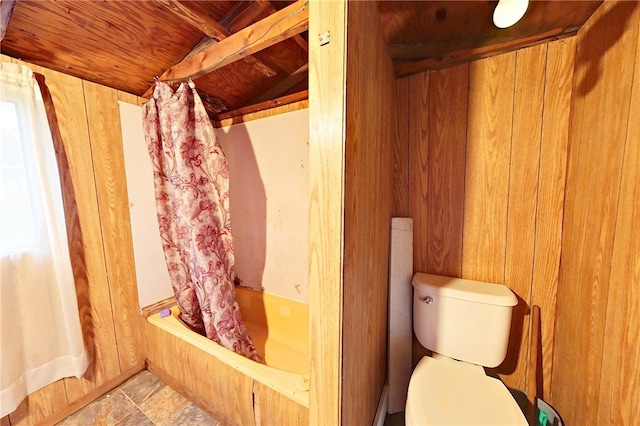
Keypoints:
pixel 520 312
pixel 74 232
pixel 248 204
pixel 590 56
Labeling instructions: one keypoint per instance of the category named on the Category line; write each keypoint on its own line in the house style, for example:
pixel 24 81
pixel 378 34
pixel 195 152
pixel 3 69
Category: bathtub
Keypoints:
pixel 279 328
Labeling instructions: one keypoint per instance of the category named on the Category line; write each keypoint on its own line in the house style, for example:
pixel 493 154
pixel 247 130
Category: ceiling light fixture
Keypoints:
pixel 508 12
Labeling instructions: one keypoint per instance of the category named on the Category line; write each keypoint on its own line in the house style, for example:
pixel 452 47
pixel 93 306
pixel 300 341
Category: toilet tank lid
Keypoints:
pixel 459 288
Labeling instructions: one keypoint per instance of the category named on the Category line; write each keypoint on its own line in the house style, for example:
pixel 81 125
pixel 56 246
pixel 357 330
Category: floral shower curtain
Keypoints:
pixel 191 181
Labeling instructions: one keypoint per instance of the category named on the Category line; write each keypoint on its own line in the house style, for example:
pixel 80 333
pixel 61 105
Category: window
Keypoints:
pixel 41 338
pixel 16 219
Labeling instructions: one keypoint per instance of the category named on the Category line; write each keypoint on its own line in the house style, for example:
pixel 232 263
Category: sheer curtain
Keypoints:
pixel 40 335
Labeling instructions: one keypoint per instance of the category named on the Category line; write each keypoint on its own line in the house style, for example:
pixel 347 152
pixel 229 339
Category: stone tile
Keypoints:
pixel 136 418
pixel 164 406
pixel 142 386
pixel 192 415
pixel 107 410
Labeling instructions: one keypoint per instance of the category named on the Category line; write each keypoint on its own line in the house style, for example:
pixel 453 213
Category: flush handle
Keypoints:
pixel 426 299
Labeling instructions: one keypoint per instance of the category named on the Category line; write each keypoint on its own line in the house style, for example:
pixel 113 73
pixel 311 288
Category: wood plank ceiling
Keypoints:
pixel 125 44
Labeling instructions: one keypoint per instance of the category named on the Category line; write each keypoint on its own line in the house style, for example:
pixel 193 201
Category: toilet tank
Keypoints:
pixel 462 319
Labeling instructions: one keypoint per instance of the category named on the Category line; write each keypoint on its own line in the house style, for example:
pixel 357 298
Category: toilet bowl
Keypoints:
pixel 466 324
pixel 447 392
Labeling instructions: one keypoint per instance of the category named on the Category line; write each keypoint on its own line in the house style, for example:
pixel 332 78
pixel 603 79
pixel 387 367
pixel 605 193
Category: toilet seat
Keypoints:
pixel 448 392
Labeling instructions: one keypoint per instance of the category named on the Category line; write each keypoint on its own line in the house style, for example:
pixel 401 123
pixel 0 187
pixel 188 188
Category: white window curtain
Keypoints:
pixel 41 338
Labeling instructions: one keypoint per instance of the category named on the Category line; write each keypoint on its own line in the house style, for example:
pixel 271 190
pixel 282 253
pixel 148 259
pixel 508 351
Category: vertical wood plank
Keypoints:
pixel 619 380
pixel 419 165
pixel 326 188
pixel 523 197
pixel 130 99
pixel 40 405
pixel 491 91
pixel 220 388
pixel 370 132
pixel 401 151
pixel 271 408
pixel 551 186
pixel 619 384
pixel 449 91
pixel 107 151
pixel 593 185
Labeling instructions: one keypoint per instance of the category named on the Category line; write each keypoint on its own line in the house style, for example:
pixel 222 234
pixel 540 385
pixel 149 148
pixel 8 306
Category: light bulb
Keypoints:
pixel 508 12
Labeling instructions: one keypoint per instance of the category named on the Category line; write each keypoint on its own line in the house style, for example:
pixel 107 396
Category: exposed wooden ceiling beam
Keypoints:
pixel 205 23
pixel 285 85
pixel 279 26
pixel 207 43
pixel 297 38
pixel 193 14
pixel 6 8
pixel 221 119
pixel 243 14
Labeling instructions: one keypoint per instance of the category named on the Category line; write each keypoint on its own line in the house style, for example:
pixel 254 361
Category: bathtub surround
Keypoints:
pixel 268 160
pixel 245 392
pixel 269 200
pixel 41 337
pixel 191 179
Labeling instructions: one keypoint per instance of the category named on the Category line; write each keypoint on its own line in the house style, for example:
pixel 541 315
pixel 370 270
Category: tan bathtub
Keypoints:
pixel 280 330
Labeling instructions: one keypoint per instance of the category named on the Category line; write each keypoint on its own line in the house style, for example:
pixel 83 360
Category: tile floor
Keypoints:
pixel 144 400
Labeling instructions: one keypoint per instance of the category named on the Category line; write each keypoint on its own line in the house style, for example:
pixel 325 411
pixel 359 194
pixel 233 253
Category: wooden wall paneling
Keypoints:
pixel 107 150
pixel 551 186
pixel 40 405
pixel 326 188
pixel 601 115
pixel 356 176
pixel 130 99
pixel 491 93
pixel 620 381
pixel 242 116
pixel 370 132
pixel 87 252
pixel 419 165
pixel 201 377
pixel 272 408
pixel 523 198
pixel 573 304
pixel 449 92
pixel 401 152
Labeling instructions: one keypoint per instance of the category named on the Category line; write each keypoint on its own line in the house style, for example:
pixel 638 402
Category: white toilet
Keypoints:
pixel 466 325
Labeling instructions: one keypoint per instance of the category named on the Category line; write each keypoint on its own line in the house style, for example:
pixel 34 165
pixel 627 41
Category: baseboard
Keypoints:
pixel 88 398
